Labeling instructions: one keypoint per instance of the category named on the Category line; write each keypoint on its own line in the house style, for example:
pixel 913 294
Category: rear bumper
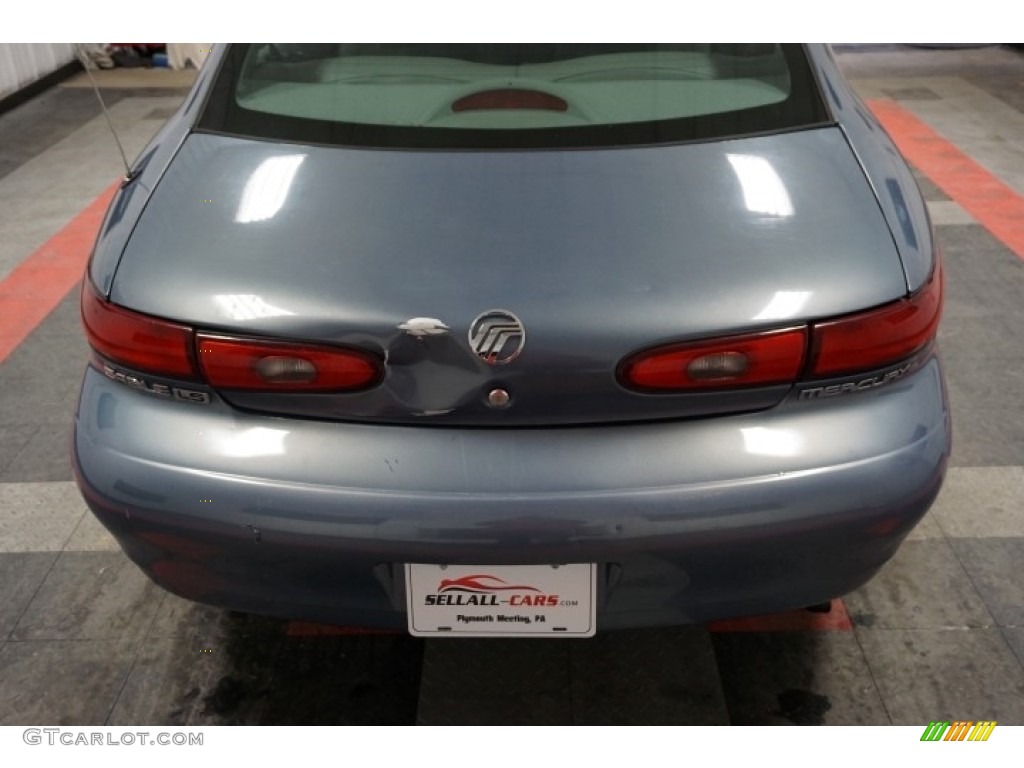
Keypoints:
pixel 690 521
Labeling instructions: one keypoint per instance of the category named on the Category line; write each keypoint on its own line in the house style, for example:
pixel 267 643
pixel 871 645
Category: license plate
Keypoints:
pixel 501 600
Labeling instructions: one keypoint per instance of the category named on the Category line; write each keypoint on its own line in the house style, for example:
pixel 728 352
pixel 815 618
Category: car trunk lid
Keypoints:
pixel 598 253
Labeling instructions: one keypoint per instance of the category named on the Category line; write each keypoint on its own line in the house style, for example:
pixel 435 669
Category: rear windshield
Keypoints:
pixel 466 96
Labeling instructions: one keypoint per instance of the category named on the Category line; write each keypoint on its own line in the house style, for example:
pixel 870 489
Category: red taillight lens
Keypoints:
pixel 510 98
pixel 263 365
pixel 151 345
pixel 857 343
pixel 774 357
pixel 874 339
pixel 136 341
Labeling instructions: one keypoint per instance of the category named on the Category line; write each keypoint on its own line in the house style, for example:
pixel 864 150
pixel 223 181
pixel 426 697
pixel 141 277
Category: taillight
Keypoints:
pixel 877 338
pixel 151 345
pixel 265 365
pixel 761 359
pixel 136 341
pixel 856 343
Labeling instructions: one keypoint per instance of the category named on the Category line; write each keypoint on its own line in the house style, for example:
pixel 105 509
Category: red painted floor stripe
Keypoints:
pixel 997 206
pixel 37 285
pixel 791 621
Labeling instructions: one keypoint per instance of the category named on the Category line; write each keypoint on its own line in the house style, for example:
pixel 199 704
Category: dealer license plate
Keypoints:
pixel 501 600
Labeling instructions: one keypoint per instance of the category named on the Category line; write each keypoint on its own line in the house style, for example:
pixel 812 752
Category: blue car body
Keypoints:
pixel 695 504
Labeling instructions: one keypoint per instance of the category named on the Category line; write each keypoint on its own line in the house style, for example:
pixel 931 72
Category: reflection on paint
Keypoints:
pixel 900 205
pixel 784 305
pixel 250 443
pixel 765 441
pixel 267 189
pixel 247 306
pixel 763 190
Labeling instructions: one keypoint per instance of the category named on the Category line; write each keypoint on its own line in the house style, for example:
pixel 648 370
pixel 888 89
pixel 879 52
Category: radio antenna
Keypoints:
pixel 84 59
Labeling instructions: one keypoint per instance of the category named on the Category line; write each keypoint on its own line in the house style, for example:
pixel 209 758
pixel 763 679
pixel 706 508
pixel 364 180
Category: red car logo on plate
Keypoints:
pixel 480 582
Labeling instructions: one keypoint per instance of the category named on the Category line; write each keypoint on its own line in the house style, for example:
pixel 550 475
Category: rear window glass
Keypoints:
pixel 465 96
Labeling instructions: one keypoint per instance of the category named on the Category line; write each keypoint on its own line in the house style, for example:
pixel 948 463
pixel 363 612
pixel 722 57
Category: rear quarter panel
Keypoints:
pixel 891 179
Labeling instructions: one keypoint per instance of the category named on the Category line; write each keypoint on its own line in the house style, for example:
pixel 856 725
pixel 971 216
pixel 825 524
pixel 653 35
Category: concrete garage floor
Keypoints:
pixel 939 634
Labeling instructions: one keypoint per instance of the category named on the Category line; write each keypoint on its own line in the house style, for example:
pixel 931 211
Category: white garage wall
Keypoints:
pixel 23 63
